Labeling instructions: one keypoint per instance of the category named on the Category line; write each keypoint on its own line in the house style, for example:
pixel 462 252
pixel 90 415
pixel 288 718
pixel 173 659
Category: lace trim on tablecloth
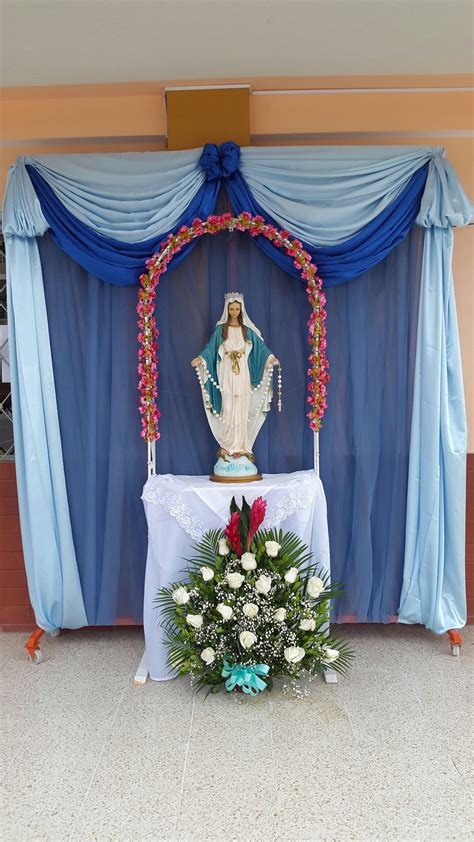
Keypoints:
pixel 176 508
pixel 286 506
pixel 277 512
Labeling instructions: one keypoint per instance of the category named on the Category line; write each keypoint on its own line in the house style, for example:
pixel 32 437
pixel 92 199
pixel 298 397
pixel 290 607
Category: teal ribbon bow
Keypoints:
pixel 246 677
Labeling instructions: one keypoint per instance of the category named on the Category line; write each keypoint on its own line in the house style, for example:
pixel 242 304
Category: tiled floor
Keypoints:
pixel 384 755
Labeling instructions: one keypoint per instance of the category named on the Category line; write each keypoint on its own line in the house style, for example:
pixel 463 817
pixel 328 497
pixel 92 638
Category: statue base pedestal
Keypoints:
pixel 217 478
pixel 235 469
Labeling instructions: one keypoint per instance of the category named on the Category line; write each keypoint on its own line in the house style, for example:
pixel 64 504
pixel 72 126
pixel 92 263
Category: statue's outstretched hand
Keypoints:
pixel 195 362
pixel 274 361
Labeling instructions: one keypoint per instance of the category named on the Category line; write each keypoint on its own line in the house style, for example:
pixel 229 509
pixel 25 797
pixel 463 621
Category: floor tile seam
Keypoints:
pixel 439 716
pixel 383 825
pixel 395 650
pixel 465 781
pixel 99 759
pixel 23 749
pixel 416 695
pixel 5 664
pixel 273 753
pixel 183 777
pixel 414 808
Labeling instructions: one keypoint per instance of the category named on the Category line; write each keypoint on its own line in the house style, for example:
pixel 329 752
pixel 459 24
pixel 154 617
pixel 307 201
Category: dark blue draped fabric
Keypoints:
pixel 113 261
pixel 121 263
pixel 350 259
pixel 365 436
pixel 93 330
pixel 220 161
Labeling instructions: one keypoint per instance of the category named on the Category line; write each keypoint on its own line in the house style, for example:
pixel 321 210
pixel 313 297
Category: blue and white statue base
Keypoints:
pixel 235 469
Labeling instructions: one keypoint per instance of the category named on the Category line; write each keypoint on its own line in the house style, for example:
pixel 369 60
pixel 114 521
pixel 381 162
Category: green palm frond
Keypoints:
pixel 207 550
pixel 293 550
pixel 332 591
pixel 346 655
pixel 292 545
pixel 212 682
pixel 164 596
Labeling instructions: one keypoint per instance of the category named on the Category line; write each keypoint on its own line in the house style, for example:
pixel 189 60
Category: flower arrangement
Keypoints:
pixel 253 607
pixel 158 264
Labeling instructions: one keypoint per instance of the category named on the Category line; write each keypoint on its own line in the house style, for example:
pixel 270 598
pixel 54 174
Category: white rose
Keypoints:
pixel 308 625
pixel 194 620
pixel 207 573
pixel 181 596
pixel 223 547
pixel 247 639
pixel 279 615
pixel 330 655
pixel 291 576
pixel 294 654
pixel 225 611
pixel 250 609
pixel 314 587
pixel 248 561
pixel 263 584
pixel 234 580
pixel 272 548
pixel 208 655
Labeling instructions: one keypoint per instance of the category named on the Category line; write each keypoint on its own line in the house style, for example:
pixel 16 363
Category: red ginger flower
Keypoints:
pixel 257 516
pixel 233 535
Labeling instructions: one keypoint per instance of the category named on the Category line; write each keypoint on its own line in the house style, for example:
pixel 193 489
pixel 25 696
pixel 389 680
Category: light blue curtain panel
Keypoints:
pixel 48 547
pixel 324 195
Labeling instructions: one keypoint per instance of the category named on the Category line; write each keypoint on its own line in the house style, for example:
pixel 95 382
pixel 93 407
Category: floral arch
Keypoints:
pixel 157 265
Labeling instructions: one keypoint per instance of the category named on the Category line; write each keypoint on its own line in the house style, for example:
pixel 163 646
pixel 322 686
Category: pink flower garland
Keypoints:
pixel 148 332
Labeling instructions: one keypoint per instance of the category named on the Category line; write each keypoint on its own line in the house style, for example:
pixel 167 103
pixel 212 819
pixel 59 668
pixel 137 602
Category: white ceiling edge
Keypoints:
pixel 59 42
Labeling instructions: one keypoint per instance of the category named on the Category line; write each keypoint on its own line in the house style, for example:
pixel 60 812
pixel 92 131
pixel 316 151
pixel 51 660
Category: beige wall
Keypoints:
pixel 426 110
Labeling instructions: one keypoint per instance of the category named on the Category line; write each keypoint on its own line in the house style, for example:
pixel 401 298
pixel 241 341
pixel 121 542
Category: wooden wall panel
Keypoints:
pixel 196 117
pixel 16 613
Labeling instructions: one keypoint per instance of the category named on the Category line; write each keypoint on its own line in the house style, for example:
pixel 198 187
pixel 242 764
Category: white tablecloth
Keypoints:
pixel 179 510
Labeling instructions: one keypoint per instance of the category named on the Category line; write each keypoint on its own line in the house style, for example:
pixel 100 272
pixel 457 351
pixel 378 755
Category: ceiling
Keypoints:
pixel 54 42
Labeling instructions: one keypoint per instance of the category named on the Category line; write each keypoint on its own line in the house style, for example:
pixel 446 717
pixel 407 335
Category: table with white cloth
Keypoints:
pixel 180 509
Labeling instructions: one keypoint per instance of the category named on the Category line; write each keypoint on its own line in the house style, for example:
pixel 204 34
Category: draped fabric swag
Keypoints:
pixel 350 207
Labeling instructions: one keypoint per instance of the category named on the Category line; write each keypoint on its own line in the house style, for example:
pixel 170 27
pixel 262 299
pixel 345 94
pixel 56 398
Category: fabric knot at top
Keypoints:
pixel 220 161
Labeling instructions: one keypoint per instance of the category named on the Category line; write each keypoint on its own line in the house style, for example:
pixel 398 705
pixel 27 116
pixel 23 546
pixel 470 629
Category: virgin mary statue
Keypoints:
pixel 235 374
